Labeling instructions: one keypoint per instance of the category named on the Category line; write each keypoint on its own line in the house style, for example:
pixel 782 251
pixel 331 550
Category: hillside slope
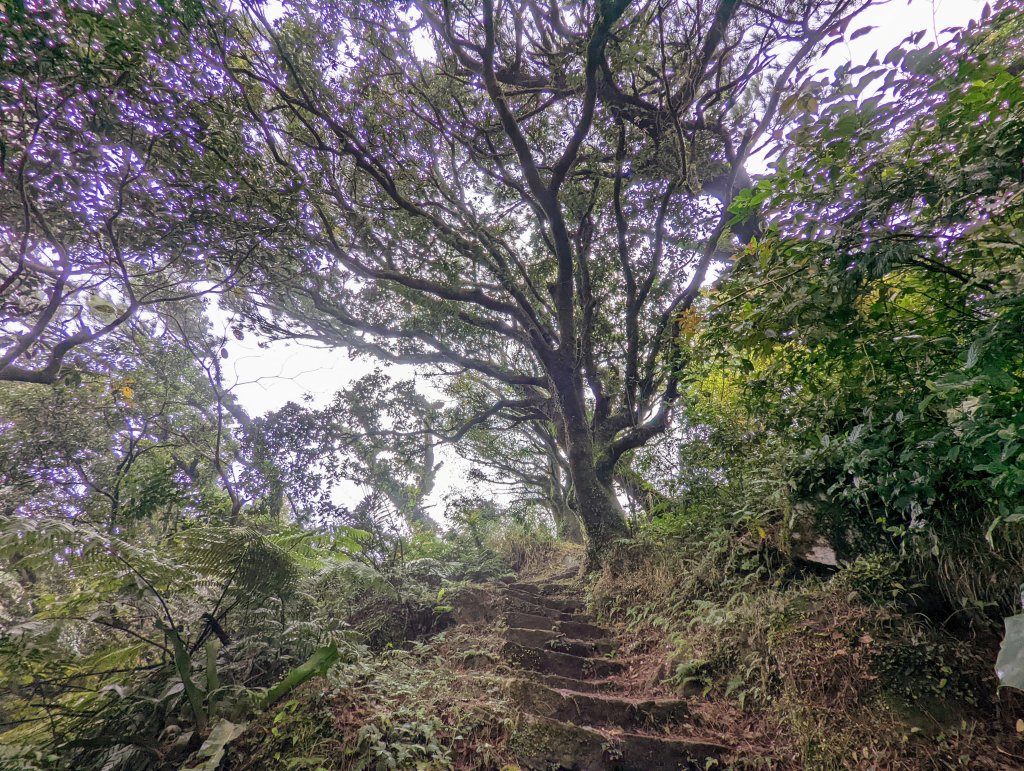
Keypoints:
pixel 527 676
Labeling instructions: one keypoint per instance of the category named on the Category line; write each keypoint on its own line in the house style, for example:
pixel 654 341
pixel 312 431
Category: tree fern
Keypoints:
pixel 252 562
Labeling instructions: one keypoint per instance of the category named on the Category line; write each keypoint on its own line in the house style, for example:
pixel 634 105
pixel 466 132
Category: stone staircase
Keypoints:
pixel 575 714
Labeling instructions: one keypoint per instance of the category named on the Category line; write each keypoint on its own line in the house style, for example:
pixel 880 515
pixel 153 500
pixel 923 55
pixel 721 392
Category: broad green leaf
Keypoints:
pixel 209 756
pixel 183 663
pixel 317 664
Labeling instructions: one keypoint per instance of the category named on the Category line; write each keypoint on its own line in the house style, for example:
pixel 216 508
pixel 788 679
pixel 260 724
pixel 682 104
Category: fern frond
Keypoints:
pixel 252 561
pixel 90 552
pixel 350 577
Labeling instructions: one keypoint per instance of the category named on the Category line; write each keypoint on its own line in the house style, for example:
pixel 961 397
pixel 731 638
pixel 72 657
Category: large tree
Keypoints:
pixel 531 191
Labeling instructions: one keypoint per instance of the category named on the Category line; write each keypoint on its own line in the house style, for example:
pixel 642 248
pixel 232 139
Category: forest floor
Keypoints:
pixel 527 678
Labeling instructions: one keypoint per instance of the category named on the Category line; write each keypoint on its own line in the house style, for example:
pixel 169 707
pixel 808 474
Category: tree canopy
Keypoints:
pixel 534 227
pixel 532 194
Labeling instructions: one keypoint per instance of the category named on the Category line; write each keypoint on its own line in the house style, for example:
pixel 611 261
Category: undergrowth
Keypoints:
pixel 829 670
pixel 402 709
pixel 298 605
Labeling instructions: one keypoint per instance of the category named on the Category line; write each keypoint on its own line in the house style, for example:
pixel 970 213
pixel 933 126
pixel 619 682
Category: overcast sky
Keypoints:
pixel 266 379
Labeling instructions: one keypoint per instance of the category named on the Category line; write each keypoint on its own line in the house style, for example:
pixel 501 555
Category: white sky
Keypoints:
pixel 266 379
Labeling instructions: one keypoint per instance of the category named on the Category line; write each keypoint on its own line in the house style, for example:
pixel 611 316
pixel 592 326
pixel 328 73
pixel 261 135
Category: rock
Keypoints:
pixel 596 709
pixel 819 552
pixel 474 604
pixel 806 542
pixel 542 744
pixel 564 664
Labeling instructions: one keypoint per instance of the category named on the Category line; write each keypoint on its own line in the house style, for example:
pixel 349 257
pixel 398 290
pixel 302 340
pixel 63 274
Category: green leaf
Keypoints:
pixel 209 756
pixel 973 354
pixel 317 664
pixel 212 677
pixel 183 663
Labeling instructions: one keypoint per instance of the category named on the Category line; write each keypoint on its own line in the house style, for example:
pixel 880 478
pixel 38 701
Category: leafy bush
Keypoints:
pixel 864 357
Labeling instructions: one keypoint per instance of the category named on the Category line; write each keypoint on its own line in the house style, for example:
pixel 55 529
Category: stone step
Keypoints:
pixel 553 603
pixel 542 638
pixel 517 605
pixel 565 575
pixel 580 686
pixel 640 752
pixel 577 630
pixel 548 588
pixel 582 630
pixel 596 709
pixel 542 744
pixel 555 663
pixel 520 586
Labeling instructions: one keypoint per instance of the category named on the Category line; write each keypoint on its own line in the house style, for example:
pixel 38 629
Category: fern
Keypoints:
pixel 252 562
pixel 353 576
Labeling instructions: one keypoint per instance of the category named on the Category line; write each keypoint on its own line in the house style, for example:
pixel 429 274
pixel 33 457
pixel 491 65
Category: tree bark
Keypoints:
pixel 567 521
pixel 602 516
pixel 562 503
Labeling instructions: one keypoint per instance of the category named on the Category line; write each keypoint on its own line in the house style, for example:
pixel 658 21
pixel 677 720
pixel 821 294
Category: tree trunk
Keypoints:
pixel 567 521
pixel 561 501
pixel 599 509
pixel 602 516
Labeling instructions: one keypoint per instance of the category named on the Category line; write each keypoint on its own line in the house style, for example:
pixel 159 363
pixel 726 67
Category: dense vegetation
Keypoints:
pixel 783 415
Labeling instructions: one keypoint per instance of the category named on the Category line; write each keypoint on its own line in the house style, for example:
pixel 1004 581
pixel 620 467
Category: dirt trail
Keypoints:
pixel 580 711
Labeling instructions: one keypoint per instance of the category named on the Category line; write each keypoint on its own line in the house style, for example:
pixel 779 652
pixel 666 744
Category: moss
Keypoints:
pixel 539 743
